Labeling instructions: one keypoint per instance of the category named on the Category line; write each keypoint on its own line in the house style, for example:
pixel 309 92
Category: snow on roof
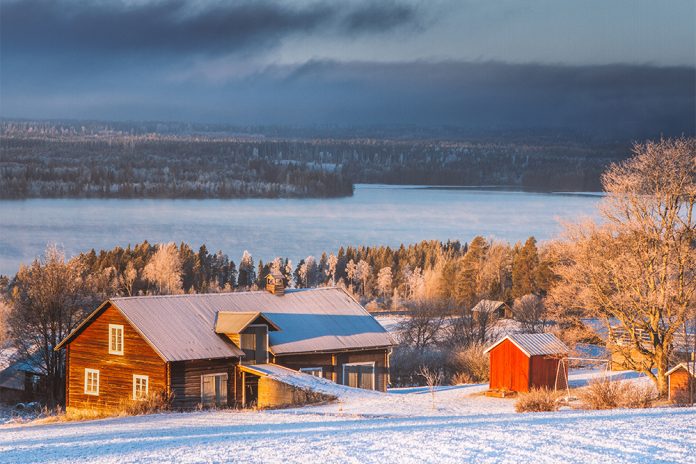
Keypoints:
pixel 535 344
pixel 307 382
pixel 182 327
pixel 689 367
pixel 487 306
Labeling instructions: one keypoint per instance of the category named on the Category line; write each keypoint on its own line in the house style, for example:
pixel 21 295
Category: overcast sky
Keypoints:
pixel 482 63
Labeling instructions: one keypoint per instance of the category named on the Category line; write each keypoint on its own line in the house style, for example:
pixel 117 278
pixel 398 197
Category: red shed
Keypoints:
pixel 682 383
pixel 519 362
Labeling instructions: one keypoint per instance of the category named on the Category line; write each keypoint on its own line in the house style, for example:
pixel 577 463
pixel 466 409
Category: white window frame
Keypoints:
pixel 118 327
pixel 93 372
pixel 146 378
pixel 309 370
pixel 371 363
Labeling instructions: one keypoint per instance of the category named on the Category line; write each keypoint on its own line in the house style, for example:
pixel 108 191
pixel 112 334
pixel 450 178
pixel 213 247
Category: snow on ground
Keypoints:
pixel 401 426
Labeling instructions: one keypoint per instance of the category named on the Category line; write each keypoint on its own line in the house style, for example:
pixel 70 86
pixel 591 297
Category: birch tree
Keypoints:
pixel 164 269
pixel 637 269
pixel 384 281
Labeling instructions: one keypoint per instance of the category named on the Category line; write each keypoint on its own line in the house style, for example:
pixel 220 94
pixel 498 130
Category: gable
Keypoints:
pixel 233 322
pixel 93 336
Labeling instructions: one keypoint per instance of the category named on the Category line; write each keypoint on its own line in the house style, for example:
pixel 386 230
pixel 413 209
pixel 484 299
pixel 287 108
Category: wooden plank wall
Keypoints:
pixel 543 371
pixel 679 386
pixel 509 368
pixel 332 364
pixel 90 349
pixel 186 380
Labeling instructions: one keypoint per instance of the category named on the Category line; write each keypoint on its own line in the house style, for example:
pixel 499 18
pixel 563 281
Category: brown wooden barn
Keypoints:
pixel 682 383
pixel 203 348
pixel 520 362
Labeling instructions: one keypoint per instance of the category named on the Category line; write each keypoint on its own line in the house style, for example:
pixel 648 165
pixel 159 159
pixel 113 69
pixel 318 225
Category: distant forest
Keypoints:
pixel 45 160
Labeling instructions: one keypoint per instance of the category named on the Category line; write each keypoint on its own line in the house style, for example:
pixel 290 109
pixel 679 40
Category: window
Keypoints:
pixel 214 389
pixel 140 387
pixel 92 382
pixel 359 375
pixel 115 339
pixel 315 371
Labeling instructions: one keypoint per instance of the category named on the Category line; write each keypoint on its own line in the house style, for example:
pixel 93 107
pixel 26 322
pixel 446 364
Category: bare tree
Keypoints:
pixel 424 325
pixel 130 275
pixel 530 312
pixel 433 379
pixel 637 270
pixel 47 300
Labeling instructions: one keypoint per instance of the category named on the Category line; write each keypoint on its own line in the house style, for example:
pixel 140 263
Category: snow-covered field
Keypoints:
pixel 402 426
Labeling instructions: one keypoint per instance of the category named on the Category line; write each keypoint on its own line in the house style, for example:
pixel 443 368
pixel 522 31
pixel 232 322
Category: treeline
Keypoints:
pixel 59 161
pixel 387 278
pixel 156 168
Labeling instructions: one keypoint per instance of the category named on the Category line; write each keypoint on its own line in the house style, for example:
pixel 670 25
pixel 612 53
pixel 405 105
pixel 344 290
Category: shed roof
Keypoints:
pixel 535 344
pixel 686 366
pixel 487 306
pixel 182 327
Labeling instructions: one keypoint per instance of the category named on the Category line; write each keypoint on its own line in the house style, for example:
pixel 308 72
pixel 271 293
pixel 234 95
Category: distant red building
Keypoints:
pixel 520 362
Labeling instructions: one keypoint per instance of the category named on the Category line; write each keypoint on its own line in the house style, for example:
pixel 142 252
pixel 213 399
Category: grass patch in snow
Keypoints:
pixel 538 400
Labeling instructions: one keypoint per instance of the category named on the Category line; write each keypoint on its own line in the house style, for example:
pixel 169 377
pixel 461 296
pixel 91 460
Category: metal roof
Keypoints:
pixel 535 344
pixel 182 327
pixel 487 306
pixel 232 322
pixel 688 367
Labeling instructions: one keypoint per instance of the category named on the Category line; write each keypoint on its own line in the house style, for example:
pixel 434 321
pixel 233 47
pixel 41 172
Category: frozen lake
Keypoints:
pixel 375 215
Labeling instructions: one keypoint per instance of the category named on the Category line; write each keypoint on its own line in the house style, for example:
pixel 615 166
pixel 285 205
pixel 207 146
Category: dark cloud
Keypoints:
pixel 614 100
pixel 94 29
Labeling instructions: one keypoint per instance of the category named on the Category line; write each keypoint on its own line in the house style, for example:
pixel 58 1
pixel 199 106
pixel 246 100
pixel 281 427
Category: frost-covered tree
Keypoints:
pixel 415 283
pixel 164 270
pixel 351 273
pixel 288 274
pixel 384 281
pixel 130 274
pixel 636 271
pixel 331 263
pixel 362 274
pixel 47 300
pixel 247 274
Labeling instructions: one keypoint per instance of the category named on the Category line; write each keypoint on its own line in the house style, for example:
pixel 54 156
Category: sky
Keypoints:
pixel 624 67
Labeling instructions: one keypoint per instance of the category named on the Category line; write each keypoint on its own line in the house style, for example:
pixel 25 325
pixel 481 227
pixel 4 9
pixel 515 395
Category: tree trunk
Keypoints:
pixel 661 377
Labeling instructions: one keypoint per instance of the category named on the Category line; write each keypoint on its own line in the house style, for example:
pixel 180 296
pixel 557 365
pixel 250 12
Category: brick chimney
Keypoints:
pixel 275 283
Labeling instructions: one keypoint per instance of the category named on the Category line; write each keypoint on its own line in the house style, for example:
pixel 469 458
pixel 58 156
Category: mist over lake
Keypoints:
pixel 296 228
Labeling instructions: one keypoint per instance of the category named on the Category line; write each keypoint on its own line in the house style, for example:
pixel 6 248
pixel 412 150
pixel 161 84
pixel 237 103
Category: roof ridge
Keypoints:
pixel 189 295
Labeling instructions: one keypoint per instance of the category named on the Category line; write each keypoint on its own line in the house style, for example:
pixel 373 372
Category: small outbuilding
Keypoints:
pixel 497 309
pixel 519 362
pixel 682 383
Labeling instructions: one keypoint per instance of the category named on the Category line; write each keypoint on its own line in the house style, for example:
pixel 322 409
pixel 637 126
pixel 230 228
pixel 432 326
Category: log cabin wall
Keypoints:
pixel 186 380
pixel 90 350
pixel 332 364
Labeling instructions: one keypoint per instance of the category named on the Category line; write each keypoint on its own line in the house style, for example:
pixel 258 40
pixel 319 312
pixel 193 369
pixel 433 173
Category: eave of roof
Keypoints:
pixel 688 368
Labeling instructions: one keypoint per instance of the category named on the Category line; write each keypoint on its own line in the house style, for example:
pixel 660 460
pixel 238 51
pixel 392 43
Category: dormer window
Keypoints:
pixel 116 339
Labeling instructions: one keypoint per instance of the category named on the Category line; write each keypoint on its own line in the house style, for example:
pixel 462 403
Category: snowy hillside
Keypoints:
pixel 402 426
